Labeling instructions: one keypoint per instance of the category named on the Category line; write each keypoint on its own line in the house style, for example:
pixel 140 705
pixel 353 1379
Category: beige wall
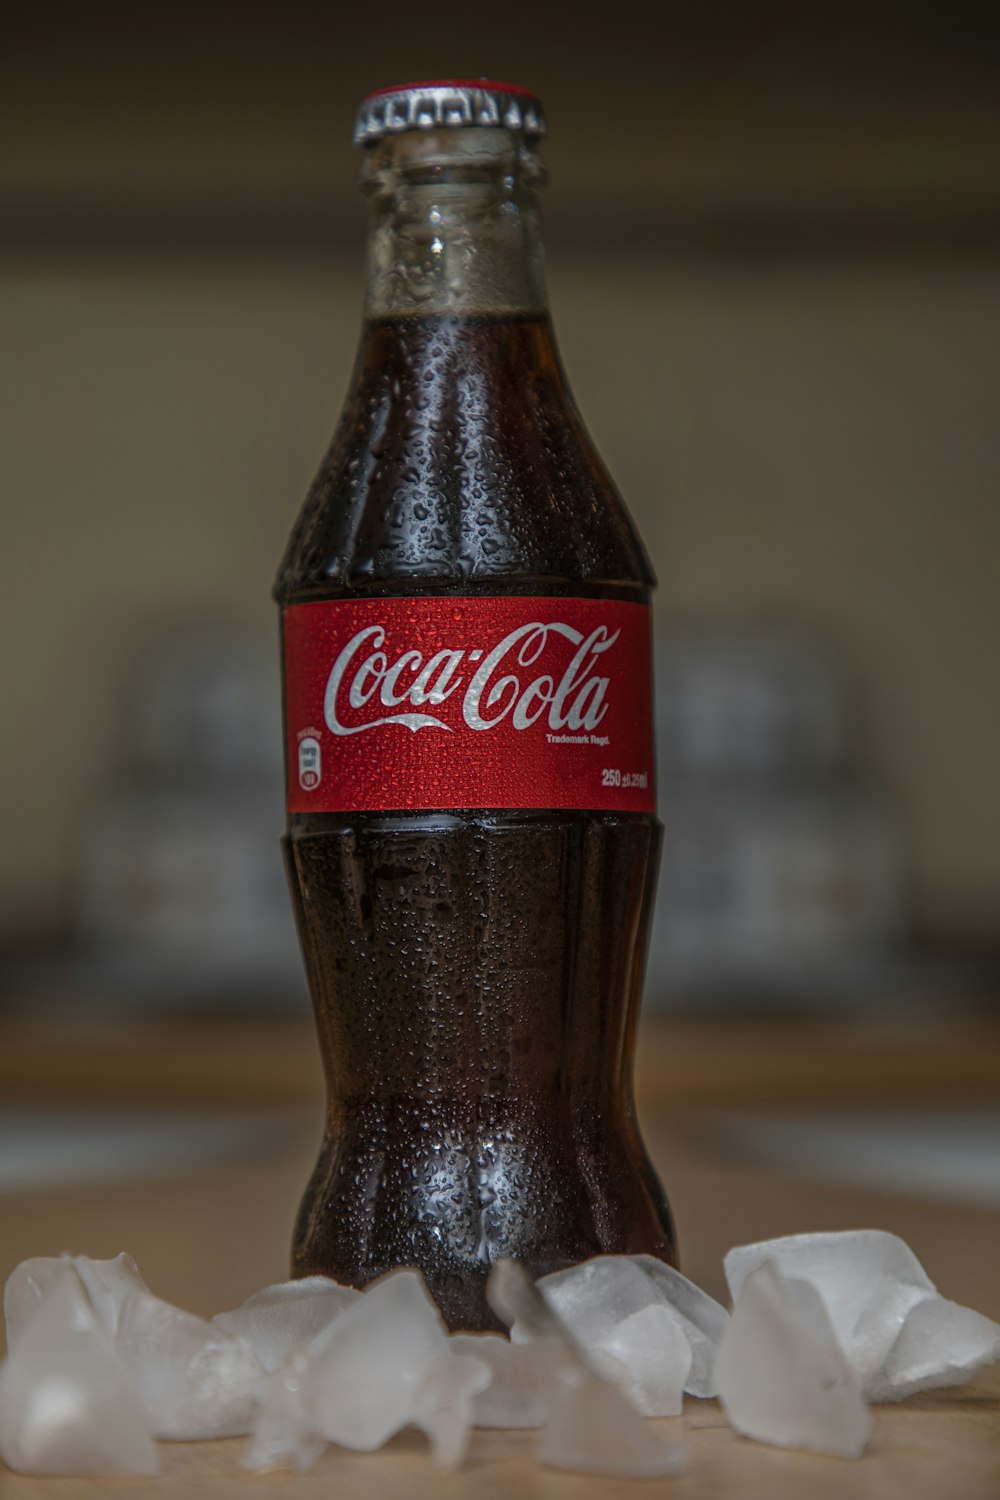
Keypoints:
pixel 814 443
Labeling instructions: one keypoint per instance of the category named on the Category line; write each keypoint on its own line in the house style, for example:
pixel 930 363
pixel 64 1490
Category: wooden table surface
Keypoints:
pixel 209 1239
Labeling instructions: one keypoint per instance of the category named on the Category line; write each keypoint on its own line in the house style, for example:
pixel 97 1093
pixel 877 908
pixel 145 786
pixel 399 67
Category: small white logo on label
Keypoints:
pixel 310 764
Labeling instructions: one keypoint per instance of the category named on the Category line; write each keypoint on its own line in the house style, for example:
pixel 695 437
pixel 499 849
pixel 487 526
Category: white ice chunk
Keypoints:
pixel 514 1296
pixel 367 1368
pixel 107 1283
pixel 704 1321
pixel 647 1355
pixel 633 1311
pixel 941 1344
pixel 594 1429
pixel 524 1378
pixel 27 1286
pixel 67 1404
pixel 285 1433
pixel 275 1321
pixel 384 1363
pixel 868 1279
pixel 783 1377
pixel 194 1380
pixel 445 1403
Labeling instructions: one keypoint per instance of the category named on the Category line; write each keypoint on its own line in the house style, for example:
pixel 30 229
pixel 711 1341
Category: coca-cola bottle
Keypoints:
pixel 472 841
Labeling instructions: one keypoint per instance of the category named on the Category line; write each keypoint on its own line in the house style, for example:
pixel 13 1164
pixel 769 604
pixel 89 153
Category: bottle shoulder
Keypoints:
pixel 460 464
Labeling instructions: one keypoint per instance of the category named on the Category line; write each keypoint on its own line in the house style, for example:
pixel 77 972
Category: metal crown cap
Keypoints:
pixel 449 103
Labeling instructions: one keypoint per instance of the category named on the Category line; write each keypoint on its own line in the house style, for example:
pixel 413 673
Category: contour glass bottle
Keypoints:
pixel 472 840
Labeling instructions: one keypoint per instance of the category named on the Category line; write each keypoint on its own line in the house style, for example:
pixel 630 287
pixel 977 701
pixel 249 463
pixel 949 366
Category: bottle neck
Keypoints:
pixel 455 226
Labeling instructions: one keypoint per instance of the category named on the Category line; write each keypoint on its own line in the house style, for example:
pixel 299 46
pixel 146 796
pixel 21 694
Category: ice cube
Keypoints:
pixel 515 1298
pixel 782 1375
pixel 106 1282
pixel 524 1377
pixel 27 1287
pixel 194 1380
pixel 67 1403
pixel 703 1319
pixel 384 1363
pixel 868 1279
pixel 285 1431
pixel 597 1298
pixel 647 1355
pixel 358 1382
pixel 366 1368
pixel 594 1429
pixel 940 1344
pixel 109 1283
pixel 275 1321
pixel 445 1402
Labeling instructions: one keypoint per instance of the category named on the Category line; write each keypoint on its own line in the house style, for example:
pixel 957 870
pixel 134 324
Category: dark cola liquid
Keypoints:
pixel 475 975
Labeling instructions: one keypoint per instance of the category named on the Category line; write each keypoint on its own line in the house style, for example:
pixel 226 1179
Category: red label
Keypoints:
pixel 434 703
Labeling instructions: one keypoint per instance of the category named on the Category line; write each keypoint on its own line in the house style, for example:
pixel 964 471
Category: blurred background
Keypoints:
pixel 774 257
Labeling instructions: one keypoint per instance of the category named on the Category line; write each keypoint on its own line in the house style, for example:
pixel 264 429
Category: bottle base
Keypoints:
pixel 485 1199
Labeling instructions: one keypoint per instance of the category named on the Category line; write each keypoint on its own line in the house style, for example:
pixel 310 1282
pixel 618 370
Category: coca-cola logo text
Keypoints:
pixel 519 680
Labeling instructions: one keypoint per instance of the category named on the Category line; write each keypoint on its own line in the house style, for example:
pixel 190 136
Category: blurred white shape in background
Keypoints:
pixel 749 705
pixel 183 889
pixel 781 876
